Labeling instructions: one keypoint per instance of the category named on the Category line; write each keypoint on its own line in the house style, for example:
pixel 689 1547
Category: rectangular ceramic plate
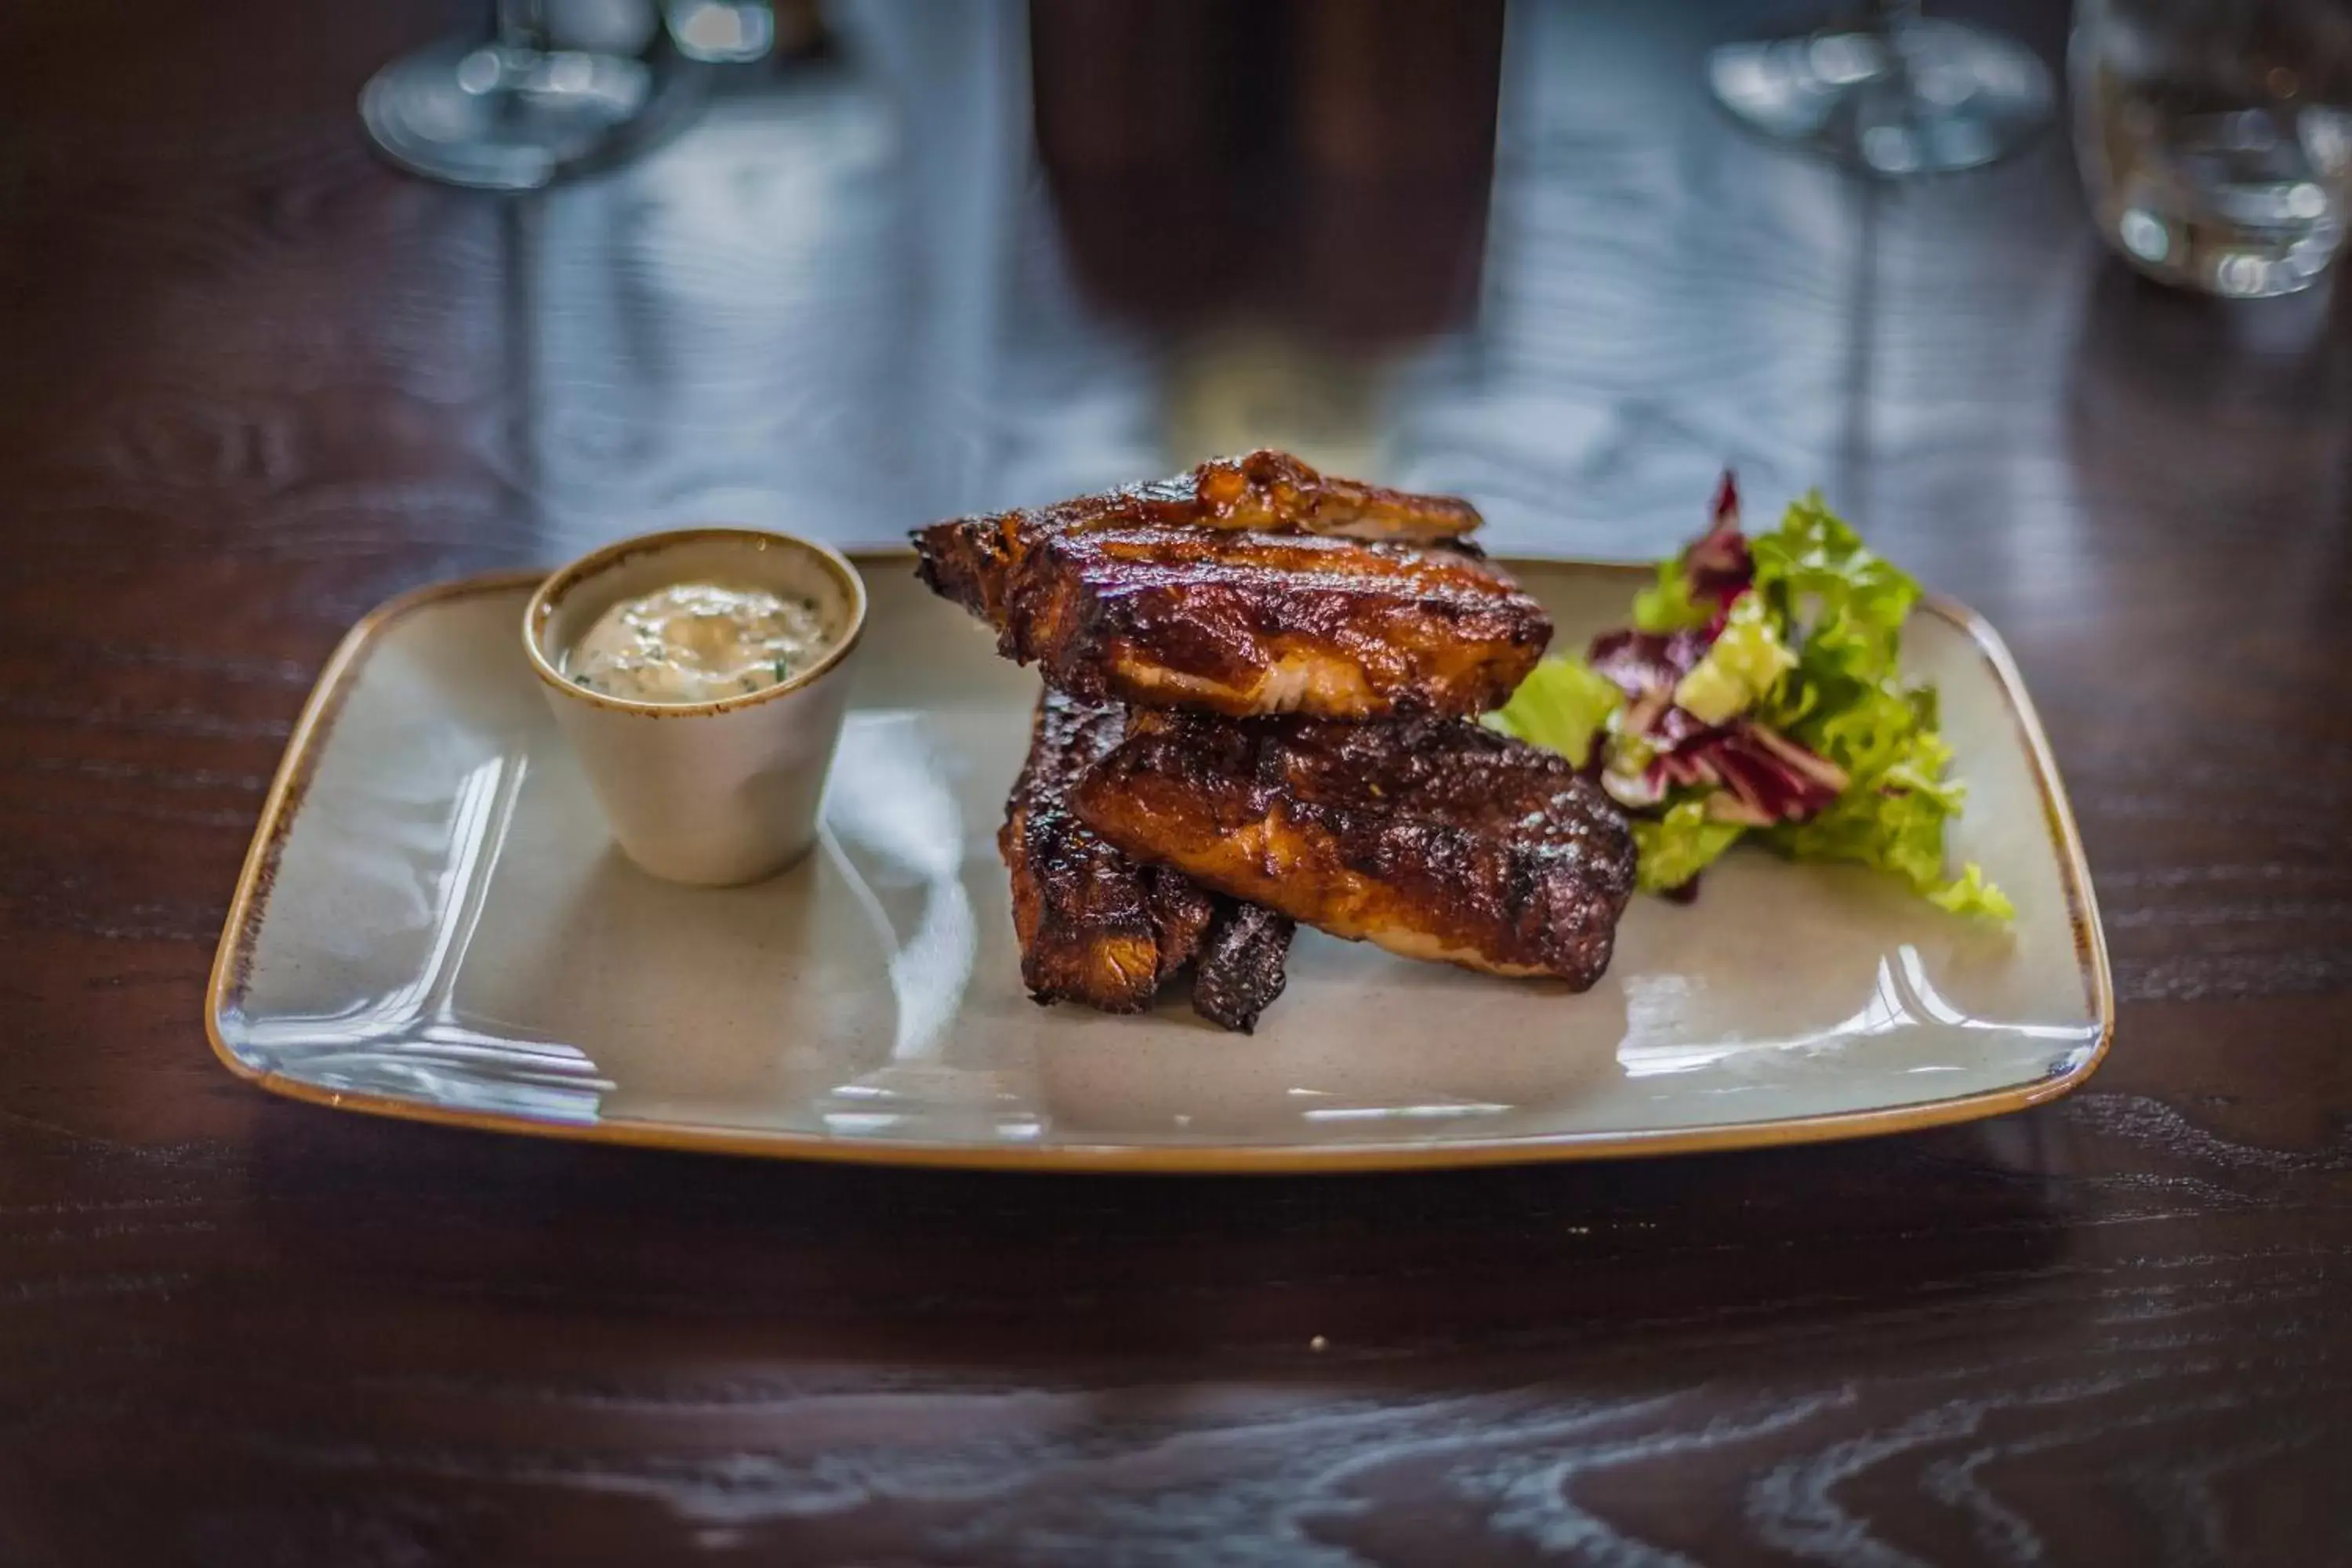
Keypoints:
pixel 432 924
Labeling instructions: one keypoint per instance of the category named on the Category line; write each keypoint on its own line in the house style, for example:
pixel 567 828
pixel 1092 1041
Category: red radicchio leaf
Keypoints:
pixel 1639 663
pixel 1771 775
pixel 1678 729
pixel 1823 772
pixel 1718 565
pixel 1761 778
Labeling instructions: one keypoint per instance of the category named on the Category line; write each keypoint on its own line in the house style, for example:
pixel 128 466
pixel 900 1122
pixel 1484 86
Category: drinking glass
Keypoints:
pixel 2215 137
pixel 1894 94
pixel 517 112
pixel 721 32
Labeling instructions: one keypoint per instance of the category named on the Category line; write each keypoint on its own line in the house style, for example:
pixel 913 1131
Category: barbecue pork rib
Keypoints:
pixel 1240 971
pixel 1267 491
pixel 971 558
pixel 1241 595
pixel 1098 928
pixel 1434 839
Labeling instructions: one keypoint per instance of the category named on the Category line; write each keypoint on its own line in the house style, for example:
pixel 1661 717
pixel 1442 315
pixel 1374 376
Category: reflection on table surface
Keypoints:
pixel 938 272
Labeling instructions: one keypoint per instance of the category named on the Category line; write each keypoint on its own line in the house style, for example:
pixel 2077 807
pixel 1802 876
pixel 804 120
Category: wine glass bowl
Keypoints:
pixel 1899 95
pixel 517 112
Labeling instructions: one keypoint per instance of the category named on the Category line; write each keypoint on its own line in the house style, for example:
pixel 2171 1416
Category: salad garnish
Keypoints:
pixel 1757 697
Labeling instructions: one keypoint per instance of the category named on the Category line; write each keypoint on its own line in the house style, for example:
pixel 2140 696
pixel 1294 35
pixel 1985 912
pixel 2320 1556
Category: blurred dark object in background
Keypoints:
pixel 1324 161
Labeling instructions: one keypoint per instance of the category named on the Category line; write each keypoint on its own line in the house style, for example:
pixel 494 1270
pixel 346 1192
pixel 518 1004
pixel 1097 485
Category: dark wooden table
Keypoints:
pixel 252 382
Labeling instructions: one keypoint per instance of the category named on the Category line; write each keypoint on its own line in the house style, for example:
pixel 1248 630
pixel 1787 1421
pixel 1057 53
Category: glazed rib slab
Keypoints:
pixel 1433 838
pixel 1247 588
pixel 1240 969
pixel 1098 928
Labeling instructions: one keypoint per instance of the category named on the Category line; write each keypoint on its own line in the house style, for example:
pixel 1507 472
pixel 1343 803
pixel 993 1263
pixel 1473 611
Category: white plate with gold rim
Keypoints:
pixel 433 924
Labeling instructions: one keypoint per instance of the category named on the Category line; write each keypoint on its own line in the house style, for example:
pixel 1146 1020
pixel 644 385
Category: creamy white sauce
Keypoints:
pixel 698 642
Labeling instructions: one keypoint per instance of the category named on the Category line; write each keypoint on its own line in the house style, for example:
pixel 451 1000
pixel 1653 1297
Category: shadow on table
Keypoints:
pixel 778 1261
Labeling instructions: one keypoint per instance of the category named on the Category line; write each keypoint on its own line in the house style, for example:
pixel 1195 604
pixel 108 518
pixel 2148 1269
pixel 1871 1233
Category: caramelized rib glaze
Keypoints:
pixel 1099 928
pixel 1247 588
pixel 1433 838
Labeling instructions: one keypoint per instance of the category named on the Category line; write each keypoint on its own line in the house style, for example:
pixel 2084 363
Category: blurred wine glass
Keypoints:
pixel 1894 93
pixel 520 110
pixel 2215 142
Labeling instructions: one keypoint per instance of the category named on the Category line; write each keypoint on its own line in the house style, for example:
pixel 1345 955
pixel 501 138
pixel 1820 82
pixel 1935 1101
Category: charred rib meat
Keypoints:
pixel 1244 589
pixel 1239 972
pixel 1095 926
pixel 1433 838
pixel 1098 928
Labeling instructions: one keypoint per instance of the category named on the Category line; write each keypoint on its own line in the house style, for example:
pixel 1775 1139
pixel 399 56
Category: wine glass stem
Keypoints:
pixel 521 24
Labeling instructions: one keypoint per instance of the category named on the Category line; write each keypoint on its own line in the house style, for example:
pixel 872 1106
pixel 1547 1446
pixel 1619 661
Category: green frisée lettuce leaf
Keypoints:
pixel 1668 604
pixel 1839 606
pixel 1677 845
pixel 1970 894
pixel 1893 816
pixel 1846 700
pixel 1795 725
pixel 1563 706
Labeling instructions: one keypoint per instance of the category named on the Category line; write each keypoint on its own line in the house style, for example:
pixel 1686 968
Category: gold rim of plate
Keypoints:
pixel 233 959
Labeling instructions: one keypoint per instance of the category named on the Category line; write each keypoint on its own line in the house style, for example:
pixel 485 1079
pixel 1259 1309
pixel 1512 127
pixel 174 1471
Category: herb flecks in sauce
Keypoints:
pixel 698 642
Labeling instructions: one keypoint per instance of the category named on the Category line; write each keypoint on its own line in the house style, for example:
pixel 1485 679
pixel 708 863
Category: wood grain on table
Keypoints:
pixel 252 382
